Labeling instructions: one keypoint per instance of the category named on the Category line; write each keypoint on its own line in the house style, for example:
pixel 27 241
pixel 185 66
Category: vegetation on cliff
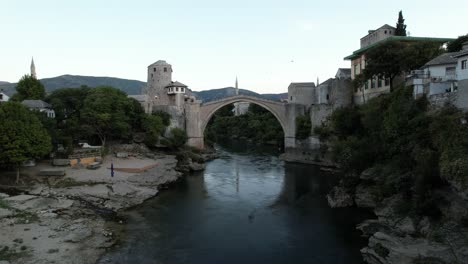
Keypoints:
pixel 414 150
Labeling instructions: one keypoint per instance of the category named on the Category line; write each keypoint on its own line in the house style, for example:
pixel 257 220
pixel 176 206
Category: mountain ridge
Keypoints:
pixel 131 87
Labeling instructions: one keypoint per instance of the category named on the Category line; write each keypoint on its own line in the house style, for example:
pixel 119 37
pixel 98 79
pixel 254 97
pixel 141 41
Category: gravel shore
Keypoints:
pixel 63 220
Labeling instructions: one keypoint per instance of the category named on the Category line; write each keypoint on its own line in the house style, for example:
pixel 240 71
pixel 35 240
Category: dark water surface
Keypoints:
pixel 246 207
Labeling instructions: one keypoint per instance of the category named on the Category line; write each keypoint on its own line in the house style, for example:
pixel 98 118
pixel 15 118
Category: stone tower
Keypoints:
pixel 33 69
pixel 159 76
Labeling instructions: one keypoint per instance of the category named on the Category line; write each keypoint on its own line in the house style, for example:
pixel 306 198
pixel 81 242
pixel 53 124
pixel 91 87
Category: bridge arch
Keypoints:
pixel 208 110
pixel 198 115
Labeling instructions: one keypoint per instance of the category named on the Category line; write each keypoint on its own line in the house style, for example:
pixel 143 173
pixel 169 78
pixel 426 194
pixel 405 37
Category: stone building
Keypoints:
pixel 301 93
pixel 164 94
pixel 462 77
pixel 41 106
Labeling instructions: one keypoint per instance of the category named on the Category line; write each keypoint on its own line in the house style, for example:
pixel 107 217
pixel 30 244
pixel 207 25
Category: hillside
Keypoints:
pixel 73 81
pixel 130 87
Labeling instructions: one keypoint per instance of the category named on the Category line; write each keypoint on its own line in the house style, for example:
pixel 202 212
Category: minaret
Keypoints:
pixel 33 69
pixel 318 81
pixel 237 87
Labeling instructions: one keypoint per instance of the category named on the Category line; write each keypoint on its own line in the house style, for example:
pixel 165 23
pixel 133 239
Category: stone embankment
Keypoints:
pixel 67 219
pixel 403 238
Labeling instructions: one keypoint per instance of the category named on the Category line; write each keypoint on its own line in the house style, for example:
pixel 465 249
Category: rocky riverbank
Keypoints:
pixel 396 236
pixel 66 220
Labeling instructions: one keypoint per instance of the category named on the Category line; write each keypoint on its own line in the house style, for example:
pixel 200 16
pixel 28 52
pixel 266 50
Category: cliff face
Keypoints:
pixel 398 236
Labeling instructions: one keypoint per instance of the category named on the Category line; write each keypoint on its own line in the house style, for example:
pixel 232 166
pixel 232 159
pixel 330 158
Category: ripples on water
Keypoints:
pixel 246 207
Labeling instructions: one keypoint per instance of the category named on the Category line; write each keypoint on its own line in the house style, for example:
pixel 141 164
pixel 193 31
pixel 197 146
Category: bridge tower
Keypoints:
pixel 159 76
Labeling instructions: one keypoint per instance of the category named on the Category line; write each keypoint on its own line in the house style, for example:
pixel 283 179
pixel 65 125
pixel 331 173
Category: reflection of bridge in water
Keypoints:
pixel 199 114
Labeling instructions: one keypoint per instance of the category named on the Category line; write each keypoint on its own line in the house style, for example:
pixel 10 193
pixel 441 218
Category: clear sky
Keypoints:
pixel 266 43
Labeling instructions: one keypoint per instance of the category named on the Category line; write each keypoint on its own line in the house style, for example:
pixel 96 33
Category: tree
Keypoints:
pixel 107 113
pixel 22 136
pixel 417 54
pixel 400 26
pixel 385 61
pixel 177 138
pixel 457 44
pixel 393 58
pixel 153 127
pixel 29 87
pixel 303 126
pixel 68 104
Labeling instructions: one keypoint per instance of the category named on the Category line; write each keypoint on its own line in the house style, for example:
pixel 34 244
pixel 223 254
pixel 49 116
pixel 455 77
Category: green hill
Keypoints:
pixel 130 87
pixel 74 81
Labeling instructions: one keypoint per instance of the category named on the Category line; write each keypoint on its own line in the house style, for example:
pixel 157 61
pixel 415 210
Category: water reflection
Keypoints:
pixel 246 207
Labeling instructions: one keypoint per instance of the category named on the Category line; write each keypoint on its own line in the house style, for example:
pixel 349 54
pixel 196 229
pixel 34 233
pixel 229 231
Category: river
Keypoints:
pixel 246 207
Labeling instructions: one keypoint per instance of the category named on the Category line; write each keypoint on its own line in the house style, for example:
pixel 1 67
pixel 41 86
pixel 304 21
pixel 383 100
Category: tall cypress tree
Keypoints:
pixel 400 26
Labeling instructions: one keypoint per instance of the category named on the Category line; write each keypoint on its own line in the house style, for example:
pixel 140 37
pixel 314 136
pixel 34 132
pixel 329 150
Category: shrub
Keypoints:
pixel 177 138
pixel 153 127
pixel 303 126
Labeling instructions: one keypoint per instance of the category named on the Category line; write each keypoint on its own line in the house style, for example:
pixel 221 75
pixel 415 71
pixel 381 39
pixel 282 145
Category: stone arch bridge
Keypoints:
pixel 198 115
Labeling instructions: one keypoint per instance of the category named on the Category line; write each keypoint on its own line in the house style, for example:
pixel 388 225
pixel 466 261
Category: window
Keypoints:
pixel 1 96
pixel 151 75
pixel 379 81
pixel 154 69
pixel 385 32
pixel 182 89
pixel 290 99
pixel 463 64
pixel 450 71
pixel 366 85
pixel 373 83
pixel 165 69
pixel 177 89
pixel 387 81
pixel 328 97
pixel 356 71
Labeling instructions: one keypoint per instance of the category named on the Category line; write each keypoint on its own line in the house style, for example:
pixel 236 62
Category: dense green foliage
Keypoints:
pixel 391 59
pixel 303 126
pixel 22 136
pixel 257 125
pixel 165 117
pixel 176 139
pixel 99 114
pixel 108 112
pixel 457 44
pixel 153 126
pixel 29 88
pixel 413 151
pixel 400 26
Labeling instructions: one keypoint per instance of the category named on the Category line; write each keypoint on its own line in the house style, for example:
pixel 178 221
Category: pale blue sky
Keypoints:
pixel 267 44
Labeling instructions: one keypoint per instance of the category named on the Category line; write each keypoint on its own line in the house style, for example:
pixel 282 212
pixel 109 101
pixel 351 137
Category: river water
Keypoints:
pixel 246 207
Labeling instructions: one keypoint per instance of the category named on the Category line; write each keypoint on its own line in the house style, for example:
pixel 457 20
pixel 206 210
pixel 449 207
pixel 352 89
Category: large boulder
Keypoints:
pixel 388 249
pixel 365 196
pixel 372 226
pixel 339 197
pixel 195 166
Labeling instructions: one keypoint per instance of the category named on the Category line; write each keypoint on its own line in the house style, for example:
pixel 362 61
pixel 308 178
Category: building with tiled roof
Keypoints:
pixel 377 86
